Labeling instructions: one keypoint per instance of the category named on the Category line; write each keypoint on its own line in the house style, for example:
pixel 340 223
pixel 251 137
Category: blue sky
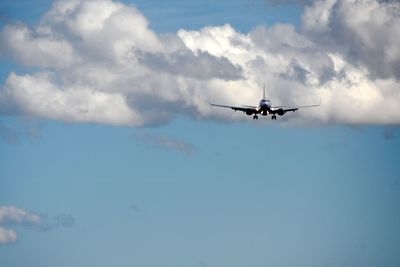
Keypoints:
pixel 198 191
pixel 170 16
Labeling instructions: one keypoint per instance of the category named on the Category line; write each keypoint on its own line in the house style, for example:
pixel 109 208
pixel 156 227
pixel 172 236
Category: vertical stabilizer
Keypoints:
pixel 264 91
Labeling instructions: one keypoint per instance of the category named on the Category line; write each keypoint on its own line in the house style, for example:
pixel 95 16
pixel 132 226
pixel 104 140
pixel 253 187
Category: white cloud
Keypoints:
pixel 104 64
pixel 7 235
pixel 14 215
pixel 101 28
pixel 38 95
pixel 366 32
pixel 11 215
pixel 47 51
pixel 201 65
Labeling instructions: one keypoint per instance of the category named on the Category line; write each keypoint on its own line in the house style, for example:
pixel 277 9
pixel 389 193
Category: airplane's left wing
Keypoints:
pixel 246 109
pixel 283 109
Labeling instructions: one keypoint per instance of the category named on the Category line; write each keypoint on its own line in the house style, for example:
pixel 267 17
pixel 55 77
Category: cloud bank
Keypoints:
pixel 13 216
pixel 99 61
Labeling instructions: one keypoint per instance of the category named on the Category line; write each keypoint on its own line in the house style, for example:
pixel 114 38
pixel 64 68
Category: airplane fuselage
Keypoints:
pixel 264 106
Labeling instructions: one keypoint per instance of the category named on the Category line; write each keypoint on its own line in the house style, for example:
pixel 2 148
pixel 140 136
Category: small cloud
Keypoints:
pixel 7 235
pixel 168 143
pixel 13 216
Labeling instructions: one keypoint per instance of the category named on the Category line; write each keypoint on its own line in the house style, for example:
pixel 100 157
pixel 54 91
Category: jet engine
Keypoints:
pixel 249 112
pixel 280 112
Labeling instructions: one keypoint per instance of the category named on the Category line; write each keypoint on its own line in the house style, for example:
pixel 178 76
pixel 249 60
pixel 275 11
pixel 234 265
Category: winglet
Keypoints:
pixel 311 106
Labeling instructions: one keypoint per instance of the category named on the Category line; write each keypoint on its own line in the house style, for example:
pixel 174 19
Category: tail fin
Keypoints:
pixel 264 91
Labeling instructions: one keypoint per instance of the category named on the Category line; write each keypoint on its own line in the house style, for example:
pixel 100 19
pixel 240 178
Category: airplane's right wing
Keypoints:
pixel 246 109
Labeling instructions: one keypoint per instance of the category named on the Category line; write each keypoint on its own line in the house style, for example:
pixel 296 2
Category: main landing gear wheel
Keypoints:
pixel 255 117
pixel 273 117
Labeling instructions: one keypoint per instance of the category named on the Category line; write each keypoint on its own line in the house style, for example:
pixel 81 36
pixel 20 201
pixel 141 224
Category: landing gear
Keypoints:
pixel 255 117
pixel 273 117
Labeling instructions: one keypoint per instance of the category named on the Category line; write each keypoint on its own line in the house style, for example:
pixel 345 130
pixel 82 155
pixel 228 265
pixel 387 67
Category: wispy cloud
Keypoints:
pixel 168 143
pixel 12 134
pixel 13 216
pixel 64 220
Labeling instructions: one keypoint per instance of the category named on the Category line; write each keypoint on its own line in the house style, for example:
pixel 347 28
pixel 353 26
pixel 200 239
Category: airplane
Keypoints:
pixel 264 108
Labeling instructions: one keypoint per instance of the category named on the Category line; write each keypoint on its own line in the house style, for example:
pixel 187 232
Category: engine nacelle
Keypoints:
pixel 249 112
pixel 280 112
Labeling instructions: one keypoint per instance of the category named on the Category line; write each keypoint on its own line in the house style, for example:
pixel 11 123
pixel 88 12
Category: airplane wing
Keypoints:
pixel 246 109
pixel 284 109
